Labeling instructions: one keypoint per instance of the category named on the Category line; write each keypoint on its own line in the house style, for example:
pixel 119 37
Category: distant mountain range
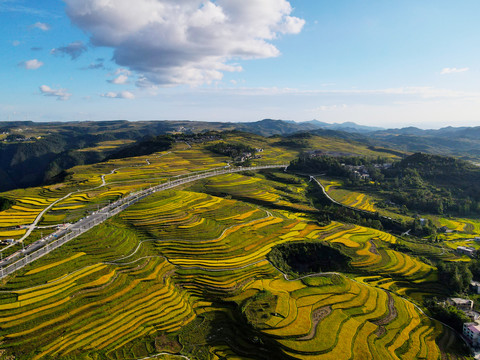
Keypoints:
pixel 346 126
pixel 31 152
pixel 463 142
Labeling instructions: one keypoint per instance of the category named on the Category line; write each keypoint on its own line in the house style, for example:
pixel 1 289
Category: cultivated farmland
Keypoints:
pixel 187 272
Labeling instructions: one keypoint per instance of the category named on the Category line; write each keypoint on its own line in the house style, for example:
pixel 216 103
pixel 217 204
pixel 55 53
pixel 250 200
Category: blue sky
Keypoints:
pixel 383 63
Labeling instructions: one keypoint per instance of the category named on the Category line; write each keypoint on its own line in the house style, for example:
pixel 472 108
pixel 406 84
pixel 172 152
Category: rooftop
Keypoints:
pixel 465 248
pixel 461 301
pixel 473 327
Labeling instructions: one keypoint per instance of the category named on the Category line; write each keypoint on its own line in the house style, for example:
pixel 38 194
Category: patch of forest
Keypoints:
pixel 146 146
pixel 302 258
pixel 233 150
pixel 420 182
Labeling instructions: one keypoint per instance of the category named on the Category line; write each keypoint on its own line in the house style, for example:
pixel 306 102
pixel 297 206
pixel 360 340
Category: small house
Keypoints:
pixel 466 250
pixel 461 304
pixel 475 287
pixel 473 315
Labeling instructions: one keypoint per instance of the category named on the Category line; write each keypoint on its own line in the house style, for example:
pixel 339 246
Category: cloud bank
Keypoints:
pixel 188 42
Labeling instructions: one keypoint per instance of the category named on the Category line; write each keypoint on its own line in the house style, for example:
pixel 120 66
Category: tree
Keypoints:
pixel 454 276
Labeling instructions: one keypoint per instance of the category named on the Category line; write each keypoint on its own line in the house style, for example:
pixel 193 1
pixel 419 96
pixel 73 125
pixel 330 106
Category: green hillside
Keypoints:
pixel 190 271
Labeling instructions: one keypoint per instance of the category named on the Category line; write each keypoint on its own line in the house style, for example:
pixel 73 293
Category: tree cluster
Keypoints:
pixel 456 277
pixel 308 257
pixel 231 150
pixel 6 203
pixel 449 315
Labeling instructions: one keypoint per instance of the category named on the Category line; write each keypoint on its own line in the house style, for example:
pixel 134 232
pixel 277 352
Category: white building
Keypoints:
pixel 466 250
pixel 461 304
pixel 472 332
pixel 475 286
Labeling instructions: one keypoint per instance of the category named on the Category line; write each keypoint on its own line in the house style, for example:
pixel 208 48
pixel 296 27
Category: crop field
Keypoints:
pixel 186 272
pixel 370 253
pixel 349 198
pixel 465 227
pixel 87 192
pixel 332 317
pixel 257 188
pixel 107 145
pixel 182 256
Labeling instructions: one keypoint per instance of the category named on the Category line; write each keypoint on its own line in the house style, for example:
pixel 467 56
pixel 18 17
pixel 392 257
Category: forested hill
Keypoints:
pixel 451 185
pixel 32 153
pixel 420 182
pixel 440 169
pixel 462 142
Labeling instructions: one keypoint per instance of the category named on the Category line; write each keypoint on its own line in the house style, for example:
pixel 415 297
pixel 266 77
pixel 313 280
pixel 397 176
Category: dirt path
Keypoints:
pixel 164 353
pixel 373 248
pixel 392 315
pixel 317 316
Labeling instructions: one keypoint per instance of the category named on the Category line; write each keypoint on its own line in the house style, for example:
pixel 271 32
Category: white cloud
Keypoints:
pixel 119 80
pixel 42 26
pixel 119 95
pixel 95 66
pixel 446 71
pixel 60 94
pixel 192 43
pixel 16 43
pixel 74 50
pixel 121 76
pixel 33 64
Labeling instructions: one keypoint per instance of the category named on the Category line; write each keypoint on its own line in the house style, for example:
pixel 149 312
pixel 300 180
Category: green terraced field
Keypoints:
pixel 186 272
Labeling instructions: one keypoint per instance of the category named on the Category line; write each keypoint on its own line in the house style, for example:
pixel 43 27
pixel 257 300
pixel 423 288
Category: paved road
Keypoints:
pixel 41 247
pixel 39 217
pixel 33 225
pixel 325 192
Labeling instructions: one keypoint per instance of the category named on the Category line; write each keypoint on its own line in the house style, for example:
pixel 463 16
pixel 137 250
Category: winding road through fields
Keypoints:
pixel 108 211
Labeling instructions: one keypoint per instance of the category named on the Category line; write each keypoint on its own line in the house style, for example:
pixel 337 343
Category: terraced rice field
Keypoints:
pixel 257 189
pixel 467 226
pixel 349 198
pixel 186 271
pixel 183 256
pixel 331 317
pixel 407 274
pixel 121 176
